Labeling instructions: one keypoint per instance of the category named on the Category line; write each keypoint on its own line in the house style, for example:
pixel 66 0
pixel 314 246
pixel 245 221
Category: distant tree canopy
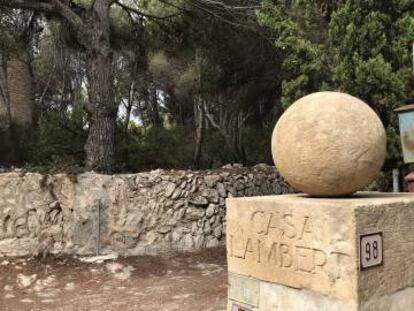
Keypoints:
pixel 127 85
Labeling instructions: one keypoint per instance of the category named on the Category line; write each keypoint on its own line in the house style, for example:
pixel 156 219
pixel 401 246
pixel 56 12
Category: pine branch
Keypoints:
pixel 41 6
pixel 140 13
pixel 68 14
pixel 50 6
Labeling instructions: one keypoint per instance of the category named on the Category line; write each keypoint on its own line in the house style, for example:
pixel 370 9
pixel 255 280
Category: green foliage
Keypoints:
pixel 57 141
pixel 372 51
pixel 243 66
pixel 257 145
pixel 188 82
pixel 157 148
pixel 371 45
pixel 300 35
pixel 162 68
pixel 82 3
pixel 15 145
pixel 173 148
pixel 361 47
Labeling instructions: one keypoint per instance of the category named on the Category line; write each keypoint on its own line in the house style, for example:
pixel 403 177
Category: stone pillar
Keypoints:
pixel 297 253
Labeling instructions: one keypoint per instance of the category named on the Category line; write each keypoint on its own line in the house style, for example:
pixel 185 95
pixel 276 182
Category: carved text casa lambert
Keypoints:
pixel 283 241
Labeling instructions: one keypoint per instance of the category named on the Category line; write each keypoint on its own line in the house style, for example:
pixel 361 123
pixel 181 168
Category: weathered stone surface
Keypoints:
pixel 129 214
pixel 329 144
pixel 164 229
pixel 243 289
pixel 211 209
pixel 221 190
pixel 265 296
pixel 211 195
pixel 212 242
pixel 212 180
pixel 170 189
pixel 176 194
pixel 194 213
pixel 199 200
pixel 305 251
pixel 218 232
pixel 272 297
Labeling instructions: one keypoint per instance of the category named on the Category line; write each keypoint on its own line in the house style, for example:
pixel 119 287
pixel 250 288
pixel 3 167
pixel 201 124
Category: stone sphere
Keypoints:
pixel 329 144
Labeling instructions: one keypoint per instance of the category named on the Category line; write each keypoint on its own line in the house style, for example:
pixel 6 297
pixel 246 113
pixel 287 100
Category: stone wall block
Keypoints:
pixel 211 209
pixel 221 190
pixel 132 214
pixel 194 213
pixel 211 195
pixel 179 204
pixel 198 200
pixel 218 231
pixel 212 180
pixel 169 190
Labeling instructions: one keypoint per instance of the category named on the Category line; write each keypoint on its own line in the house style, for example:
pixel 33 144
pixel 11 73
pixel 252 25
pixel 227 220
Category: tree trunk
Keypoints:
pixel 128 107
pixel 16 105
pixel 199 124
pixel 16 92
pixel 155 113
pixel 21 92
pixel 101 108
pixel 5 111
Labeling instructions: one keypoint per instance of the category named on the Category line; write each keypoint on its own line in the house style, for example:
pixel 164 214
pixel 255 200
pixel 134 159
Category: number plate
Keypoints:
pixel 238 308
pixel 370 250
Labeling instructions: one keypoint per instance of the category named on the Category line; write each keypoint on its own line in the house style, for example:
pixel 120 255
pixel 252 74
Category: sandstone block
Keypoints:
pixel 300 251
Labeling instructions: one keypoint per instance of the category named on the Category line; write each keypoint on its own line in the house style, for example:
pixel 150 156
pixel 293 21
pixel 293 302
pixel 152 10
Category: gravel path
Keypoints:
pixel 191 281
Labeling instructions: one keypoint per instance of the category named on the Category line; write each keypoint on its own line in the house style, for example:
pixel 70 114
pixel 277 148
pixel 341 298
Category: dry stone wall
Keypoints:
pixel 143 213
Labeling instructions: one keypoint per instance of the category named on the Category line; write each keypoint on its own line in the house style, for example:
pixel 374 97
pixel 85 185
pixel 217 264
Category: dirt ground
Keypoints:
pixel 190 281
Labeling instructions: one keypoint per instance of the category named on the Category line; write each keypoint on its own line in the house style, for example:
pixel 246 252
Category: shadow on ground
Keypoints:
pixel 187 281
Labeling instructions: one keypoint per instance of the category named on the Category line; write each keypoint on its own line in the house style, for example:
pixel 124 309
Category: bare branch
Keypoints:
pixel 67 13
pixel 230 15
pixel 180 8
pixel 49 6
pixel 231 7
pixel 49 79
pixel 136 11
pixel 210 117
pixel 41 6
